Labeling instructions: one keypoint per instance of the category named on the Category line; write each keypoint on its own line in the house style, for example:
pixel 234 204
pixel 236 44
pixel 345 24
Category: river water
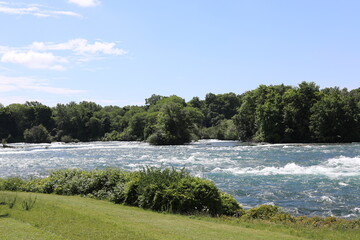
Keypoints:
pixel 304 179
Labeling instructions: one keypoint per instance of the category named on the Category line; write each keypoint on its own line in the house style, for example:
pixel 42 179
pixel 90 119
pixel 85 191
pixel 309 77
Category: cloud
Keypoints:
pixel 34 10
pixel 9 84
pixel 41 55
pixel 85 3
pixel 35 60
pixel 81 46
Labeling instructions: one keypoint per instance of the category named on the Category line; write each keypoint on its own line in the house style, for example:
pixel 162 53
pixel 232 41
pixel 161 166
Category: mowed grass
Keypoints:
pixel 71 217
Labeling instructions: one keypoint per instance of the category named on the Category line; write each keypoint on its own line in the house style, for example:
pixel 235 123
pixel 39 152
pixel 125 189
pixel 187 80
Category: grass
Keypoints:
pixel 72 217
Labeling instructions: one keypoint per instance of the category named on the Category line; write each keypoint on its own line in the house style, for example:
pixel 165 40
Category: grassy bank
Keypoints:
pixel 72 217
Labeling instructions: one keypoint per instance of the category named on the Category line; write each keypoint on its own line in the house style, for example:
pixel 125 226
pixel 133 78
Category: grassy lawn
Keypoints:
pixel 68 217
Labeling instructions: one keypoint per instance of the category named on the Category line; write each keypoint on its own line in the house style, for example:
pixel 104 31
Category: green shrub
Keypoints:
pixel 263 212
pixel 68 139
pixel 166 190
pixel 178 192
pixel 12 184
pixel 37 134
pixel 230 206
pixel 112 136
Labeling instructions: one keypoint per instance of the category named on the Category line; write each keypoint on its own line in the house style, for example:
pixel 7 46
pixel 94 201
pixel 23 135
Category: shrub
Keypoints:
pixel 12 184
pixel 178 192
pixel 68 139
pixel 230 206
pixel 37 134
pixel 263 212
pixel 151 188
pixel 112 136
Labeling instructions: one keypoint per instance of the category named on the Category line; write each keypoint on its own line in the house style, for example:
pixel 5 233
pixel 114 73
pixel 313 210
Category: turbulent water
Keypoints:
pixel 322 180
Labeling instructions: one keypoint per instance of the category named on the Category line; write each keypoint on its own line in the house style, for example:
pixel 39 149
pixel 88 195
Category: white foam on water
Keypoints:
pixel 356 210
pixel 326 199
pixel 334 167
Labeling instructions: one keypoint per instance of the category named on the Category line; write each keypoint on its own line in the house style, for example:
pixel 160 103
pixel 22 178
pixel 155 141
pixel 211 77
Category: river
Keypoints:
pixel 304 179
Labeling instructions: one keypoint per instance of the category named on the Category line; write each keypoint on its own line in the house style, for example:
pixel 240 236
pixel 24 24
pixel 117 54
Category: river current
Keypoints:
pixel 304 179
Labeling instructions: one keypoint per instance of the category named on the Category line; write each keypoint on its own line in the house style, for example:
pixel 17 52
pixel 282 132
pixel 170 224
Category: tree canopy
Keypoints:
pixel 275 113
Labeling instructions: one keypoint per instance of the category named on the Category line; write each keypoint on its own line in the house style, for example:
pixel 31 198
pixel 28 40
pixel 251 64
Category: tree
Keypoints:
pixel 245 119
pixel 297 105
pixel 37 134
pixel 7 125
pixel 332 118
pixel 172 125
pixel 153 99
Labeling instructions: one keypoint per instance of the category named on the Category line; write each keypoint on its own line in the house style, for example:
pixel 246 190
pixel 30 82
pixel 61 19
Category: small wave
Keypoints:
pixel 335 167
pixel 326 199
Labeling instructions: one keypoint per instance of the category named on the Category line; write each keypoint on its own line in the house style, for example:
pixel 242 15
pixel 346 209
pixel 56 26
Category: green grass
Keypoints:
pixel 71 217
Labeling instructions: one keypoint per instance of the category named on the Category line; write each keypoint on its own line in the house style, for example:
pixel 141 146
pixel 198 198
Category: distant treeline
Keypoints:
pixel 275 114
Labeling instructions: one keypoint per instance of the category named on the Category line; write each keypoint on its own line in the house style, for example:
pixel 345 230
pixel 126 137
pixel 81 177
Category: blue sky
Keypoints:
pixel 116 52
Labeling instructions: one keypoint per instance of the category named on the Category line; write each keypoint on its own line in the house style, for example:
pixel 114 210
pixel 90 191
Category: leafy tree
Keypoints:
pixel 23 117
pixel 297 105
pixel 219 107
pixel 196 103
pixel 153 99
pixel 172 125
pixel 7 124
pixel 332 118
pixel 37 134
pixel 245 119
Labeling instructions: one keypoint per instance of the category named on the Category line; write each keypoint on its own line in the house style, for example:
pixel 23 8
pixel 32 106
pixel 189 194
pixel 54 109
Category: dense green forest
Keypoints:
pixel 275 114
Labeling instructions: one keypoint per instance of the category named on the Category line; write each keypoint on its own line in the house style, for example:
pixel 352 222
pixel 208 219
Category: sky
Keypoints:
pixel 117 52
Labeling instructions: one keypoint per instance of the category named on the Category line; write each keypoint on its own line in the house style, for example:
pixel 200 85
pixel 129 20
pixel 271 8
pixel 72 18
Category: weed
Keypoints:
pixel 11 202
pixel 28 204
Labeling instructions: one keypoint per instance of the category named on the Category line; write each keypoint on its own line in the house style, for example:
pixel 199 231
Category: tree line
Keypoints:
pixel 275 114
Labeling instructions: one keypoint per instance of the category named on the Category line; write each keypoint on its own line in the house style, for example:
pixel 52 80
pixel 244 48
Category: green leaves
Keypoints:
pixel 168 190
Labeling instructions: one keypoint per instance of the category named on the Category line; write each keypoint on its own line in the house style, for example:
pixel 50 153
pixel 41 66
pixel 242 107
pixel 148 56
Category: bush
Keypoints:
pixel 12 184
pixel 230 206
pixel 166 190
pixel 37 134
pixel 178 192
pixel 68 139
pixel 263 212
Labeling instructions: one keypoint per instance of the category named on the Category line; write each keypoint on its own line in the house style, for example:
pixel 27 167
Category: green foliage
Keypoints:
pixel 176 191
pixel 275 113
pixel 230 206
pixel 303 114
pixel 225 130
pixel 68 139
pixel 173 125
pixel 78 121
pixel 12 184
pixel 219 107
pixel 37 134
pixel 267 212
pixel 157 189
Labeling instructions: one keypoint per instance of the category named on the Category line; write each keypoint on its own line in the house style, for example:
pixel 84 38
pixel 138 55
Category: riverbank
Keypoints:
pixel 72 217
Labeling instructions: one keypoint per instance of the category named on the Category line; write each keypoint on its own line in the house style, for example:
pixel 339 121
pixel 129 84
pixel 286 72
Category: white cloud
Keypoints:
pixel 35 60
pixel 85 3
pixel 34 10
pixel 41 55
pixel 80 46
pixel 9 84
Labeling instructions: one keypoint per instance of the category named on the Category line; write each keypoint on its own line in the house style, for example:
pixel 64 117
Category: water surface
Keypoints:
pixel 304 179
